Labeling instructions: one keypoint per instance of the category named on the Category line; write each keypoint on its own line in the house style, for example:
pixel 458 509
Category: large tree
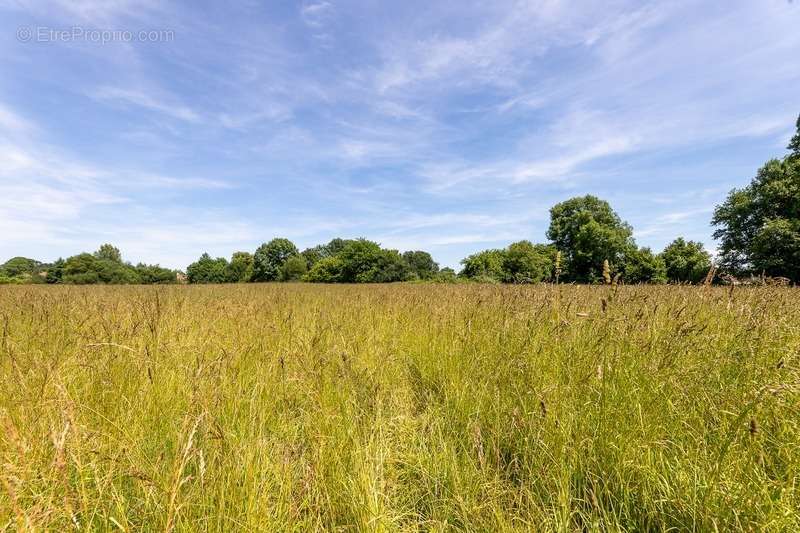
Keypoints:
pixel 486 265
pixel 55 272
pixel 759 225
pixel 88 269
pixel 208 270
pixel 686 261
pixel 525 262
pixel 794 144
pixel 155 274
pixel 323 251
pixel 364 261
pixel 643 266
pixel 20 266
pixel 109 252
pixel 588 232
pixel 240 269
pixel 325 270
pixel 270 258
pixel 293 269
pixel 421 263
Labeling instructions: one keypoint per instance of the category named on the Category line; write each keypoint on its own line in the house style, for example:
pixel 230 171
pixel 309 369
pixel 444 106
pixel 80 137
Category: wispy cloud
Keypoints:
pixel 314 13
pixel 11 123
pixel 423 127
pixel 81 11
pixel 147 101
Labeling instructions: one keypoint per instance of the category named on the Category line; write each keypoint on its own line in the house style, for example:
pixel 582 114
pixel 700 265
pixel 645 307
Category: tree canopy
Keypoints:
pixel 208 270
pixel 270 257
pixel 103 266
pixel 525 262
pixel 484 266
pixel 759 225
pixel 240 268
pixel 686 261
pixel 587 232
pixel 421 263
pixel 641 265
pixel 20 267
pixel 293 269
pixel 109 252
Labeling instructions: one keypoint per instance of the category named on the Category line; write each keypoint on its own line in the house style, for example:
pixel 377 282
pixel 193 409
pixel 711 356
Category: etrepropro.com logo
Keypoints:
pixel 46 34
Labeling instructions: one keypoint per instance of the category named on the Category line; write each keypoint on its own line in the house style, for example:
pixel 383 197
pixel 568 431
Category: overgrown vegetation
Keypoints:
pixel 301 407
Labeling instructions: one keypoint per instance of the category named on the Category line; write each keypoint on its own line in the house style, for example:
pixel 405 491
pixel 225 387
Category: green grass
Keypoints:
pixel 399 407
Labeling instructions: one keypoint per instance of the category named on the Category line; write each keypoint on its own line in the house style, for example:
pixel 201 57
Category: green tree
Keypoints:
pixel 240 269
pixel 326 270
pixel 313 255
pixel 759 225
pixel 421 263
pixel 321 251
pixel 109 253
pixel 484 266
pixel 336 245
pixel 686 261
pixel 587 232
pixel 641 265
pixel 20 267
pixel 55 272
pixel 390 267
pixel 525 262
pixel 775 249
pixel 87 268
pixel 794 144
pixel 365 261
pixel 270 257
pixel 155 274
pixel 294 269
pixel 207 270
pixel 358 258
pixel 82 269
pixel 446 275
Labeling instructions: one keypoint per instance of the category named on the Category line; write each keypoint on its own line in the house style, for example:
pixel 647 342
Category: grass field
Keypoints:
pixel 399 407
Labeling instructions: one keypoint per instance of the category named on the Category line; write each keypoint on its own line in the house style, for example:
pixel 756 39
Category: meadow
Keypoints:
pixel 399 407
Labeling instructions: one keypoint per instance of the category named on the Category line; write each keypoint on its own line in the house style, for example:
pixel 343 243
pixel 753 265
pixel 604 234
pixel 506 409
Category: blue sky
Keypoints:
pixel 445 126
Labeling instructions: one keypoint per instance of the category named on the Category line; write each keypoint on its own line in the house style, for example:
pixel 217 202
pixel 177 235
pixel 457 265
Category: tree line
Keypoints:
pixel 339 261
pixel 105 266
pixel 758 228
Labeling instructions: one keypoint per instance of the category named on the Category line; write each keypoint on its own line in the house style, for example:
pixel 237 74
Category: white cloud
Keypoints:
pixel 147 101
pixel 87 11
pixel 314 14
pixel 672 224
pixel 11 123
pixel 468 103
pixel 171 182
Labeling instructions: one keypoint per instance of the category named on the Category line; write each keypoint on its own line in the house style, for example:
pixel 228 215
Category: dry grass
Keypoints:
pixel 406 407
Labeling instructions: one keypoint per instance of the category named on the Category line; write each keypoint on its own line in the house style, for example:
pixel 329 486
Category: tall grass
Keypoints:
pixel 399 407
